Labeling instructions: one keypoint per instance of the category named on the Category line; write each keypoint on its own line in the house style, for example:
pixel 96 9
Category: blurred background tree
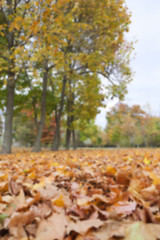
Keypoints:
pixel 132 127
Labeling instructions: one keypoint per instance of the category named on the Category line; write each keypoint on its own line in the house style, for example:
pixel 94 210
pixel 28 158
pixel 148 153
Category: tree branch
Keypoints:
pixel 4 15
pixel 52 66
pixel 98 72
pixel 4 58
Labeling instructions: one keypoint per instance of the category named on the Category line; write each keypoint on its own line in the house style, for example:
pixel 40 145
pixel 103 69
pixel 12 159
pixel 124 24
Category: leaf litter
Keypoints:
pixel 83 194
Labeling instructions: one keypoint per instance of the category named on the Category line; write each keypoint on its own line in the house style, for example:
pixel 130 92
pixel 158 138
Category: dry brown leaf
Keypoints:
pixel 14 187
pixel 31 229
pixel 18 232
pixel 124 208
pixel 123 177
pixel 52 228
pixel 3 187
pixel 109 230
pixel 42 210
pixel 150 193
pixel 77 191
pixel 20 200
pixel 21 218
pixel 48 191
pixel 83 226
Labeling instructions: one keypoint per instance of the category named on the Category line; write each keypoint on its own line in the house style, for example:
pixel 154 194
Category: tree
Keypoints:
pixel 126 125
pixel 48 131
pixel 132 126
pixel 95 45
pixel 13 35
pixel 83 102
pixel 89 134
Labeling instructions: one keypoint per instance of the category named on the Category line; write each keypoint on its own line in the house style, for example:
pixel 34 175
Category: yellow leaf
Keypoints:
pixel 55 164
pixel 155 178
pixel 111 170
pixel 59 202
pixel 39 185
pixel 3 176
pixel 32 175
pixel 18 19
pixel 23 38
pixel 146 161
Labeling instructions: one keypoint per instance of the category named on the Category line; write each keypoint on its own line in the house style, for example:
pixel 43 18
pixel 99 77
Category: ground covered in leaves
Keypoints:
pixel 84 194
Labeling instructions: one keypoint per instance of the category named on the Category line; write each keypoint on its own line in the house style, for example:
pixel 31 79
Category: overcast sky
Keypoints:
pixel 145 28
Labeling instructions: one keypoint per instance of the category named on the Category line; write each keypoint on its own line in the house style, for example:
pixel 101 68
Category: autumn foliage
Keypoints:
pixel 52 57
pixel 131 126
pixel 87 194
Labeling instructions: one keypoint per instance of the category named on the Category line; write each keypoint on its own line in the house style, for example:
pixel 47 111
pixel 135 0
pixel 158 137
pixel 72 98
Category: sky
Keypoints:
pixel 145 87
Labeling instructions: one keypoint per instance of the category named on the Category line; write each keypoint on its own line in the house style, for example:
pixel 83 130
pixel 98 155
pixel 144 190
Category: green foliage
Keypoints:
pixel 24 129
pixel 89 133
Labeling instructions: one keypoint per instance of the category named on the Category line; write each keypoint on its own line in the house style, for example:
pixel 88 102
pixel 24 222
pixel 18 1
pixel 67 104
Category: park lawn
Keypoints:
pixel 83 194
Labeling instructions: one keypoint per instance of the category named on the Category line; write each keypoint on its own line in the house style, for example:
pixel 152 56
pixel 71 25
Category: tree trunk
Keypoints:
pixel 7 138
pixel 74 139
pixel 33 104
pixel 35 116
pixel 70 117
pixel 56 141
pixel 56 144
pixel 37 143
pixel 68 134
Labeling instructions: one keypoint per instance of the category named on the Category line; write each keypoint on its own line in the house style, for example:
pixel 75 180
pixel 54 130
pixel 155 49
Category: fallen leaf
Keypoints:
pixel 59 201
pixel 52 228
pixel 142 231
pixel 124 208
pixel 21 218
pixel 83 226
pixel 123 177
pixel 111 229
pixel 14 187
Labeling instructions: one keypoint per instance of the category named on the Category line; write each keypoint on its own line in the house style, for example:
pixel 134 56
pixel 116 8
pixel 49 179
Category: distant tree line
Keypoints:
pixel 132 127
pixel 52 57
pixel 127 126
